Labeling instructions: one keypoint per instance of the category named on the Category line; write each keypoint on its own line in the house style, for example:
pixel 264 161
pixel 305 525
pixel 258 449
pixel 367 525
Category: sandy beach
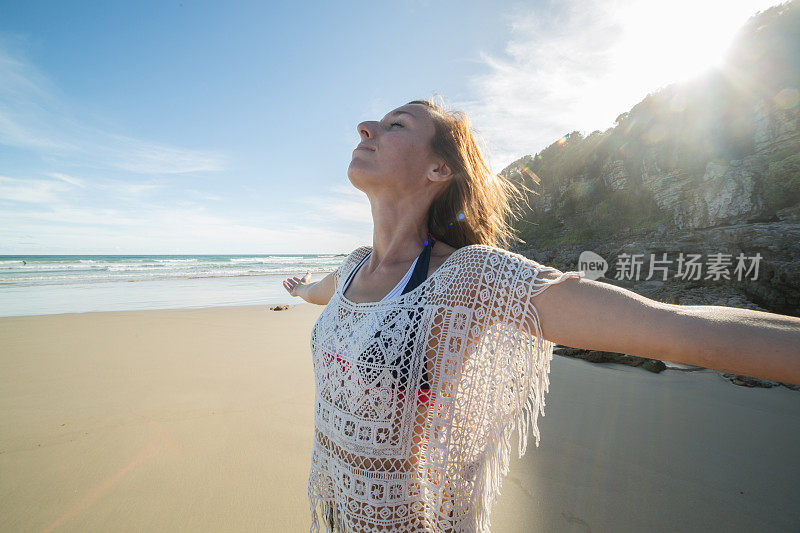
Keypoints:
pixel 202 420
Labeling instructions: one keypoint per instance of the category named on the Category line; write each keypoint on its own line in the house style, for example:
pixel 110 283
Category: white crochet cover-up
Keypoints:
pixel 394 454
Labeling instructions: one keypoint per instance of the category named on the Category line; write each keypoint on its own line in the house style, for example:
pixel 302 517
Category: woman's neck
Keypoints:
pixel 396 237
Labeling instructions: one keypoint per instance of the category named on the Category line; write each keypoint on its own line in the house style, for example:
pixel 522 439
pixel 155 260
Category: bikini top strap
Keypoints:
pixel 353 272
pixel 421 268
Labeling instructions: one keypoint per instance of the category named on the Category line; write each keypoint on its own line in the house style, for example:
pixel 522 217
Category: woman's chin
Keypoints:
pixel 357 170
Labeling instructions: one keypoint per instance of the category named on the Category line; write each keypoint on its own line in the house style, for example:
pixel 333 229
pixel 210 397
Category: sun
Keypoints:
pixel 678 40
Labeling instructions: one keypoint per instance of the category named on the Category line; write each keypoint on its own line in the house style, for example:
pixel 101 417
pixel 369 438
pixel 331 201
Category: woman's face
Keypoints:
pixel 394 153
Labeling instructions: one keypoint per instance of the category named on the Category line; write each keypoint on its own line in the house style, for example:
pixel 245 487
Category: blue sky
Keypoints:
pixel 200 127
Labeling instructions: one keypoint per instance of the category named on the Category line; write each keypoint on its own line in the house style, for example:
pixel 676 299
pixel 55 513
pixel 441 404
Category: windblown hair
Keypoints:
pixel 478 206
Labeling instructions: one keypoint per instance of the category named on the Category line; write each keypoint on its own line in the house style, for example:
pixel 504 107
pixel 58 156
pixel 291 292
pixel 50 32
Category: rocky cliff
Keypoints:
pixel 663 179
pixel 709 169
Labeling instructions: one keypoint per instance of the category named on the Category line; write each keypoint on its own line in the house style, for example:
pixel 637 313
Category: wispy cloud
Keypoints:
pixel 340 203
pixel 578 64
pixel 68 179
pixel 67 190
pixel 142 157
pixel 127 190
pixel 31 191
pixel 161 229
pixel 107 201
pixel 34 117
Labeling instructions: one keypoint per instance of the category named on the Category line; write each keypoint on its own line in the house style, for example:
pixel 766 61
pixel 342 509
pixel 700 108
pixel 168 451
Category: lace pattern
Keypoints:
pixel 417 396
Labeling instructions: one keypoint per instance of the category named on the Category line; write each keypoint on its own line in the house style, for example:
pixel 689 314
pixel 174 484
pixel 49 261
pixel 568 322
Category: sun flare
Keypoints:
pixel 679 40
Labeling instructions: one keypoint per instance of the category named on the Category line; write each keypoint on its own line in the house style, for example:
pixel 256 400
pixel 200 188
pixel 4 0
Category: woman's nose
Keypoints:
pixel 367 129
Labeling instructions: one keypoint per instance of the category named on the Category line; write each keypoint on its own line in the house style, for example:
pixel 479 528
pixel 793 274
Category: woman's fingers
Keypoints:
pixel 294 281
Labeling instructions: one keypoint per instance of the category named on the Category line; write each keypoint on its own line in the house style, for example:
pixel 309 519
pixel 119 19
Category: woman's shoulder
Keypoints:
pixel 352 259
pixel 440 252
pixel 358 253
pixel 481 251
pixel 355 257
pixel 473 260
pixel 443 252
pixel 361 251
pixel 485 260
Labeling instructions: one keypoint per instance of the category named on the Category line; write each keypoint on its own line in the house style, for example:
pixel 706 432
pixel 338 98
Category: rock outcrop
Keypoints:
pixel 725 193
pixel 775 128
pixel 614 175
pixel 708 171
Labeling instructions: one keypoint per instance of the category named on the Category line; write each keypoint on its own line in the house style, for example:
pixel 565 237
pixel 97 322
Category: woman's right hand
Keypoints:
pixel 296 284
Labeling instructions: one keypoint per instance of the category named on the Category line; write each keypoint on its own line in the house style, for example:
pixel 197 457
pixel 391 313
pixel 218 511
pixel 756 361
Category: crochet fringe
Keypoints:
pixel 496 464
pixel 506 390
pixel 327 510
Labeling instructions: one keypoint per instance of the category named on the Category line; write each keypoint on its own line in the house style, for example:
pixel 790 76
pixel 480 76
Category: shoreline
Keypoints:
pixel 186 293
pixel 197 308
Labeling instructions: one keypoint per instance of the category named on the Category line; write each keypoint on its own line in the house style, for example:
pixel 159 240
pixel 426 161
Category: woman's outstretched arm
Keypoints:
pixel 591 315
pixel 314 292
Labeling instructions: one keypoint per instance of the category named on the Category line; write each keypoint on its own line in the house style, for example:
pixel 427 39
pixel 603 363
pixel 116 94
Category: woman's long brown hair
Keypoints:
pixel 478 205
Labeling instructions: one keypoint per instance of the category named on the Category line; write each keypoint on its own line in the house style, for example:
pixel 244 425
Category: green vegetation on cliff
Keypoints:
pixel 594 186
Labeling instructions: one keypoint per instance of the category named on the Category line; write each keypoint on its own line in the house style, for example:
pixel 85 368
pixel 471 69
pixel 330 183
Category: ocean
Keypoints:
pixel 48 284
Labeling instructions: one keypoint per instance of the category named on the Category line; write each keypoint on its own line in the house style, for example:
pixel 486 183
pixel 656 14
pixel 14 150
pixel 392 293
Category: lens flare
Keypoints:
pixel 787 98
pixel 656 133
pixel 533 176
pixel 677 103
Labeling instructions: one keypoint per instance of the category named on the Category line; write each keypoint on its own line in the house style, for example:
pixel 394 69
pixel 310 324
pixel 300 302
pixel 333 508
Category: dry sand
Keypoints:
pixel 201 420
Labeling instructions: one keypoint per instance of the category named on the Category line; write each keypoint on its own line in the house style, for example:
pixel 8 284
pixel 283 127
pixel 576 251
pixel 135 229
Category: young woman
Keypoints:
pixel 435 342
